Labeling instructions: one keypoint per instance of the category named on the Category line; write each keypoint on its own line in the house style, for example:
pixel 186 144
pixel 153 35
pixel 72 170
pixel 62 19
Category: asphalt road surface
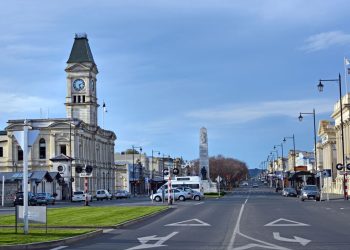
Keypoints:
pixel 249 218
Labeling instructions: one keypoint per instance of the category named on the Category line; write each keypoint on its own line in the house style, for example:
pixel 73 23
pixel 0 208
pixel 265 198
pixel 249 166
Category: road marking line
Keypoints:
pixel 199 203
pixel 185 223
pixel 159 241
pixel 236 230
pixel 290 224
pixel 57 248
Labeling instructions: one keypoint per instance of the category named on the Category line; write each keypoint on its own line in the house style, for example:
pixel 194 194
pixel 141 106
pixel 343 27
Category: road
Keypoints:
pixel 248 218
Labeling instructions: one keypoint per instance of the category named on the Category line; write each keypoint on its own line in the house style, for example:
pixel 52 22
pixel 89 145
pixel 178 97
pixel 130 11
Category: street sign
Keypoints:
pixel 85 175
pixel 218 179
pixel 339 166
pixel 166 171
pixel 175 171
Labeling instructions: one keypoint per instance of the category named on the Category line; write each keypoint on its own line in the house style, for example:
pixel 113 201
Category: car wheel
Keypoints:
pixel 197 198
pixel 182 198
pixel 157 198
pixel 302 199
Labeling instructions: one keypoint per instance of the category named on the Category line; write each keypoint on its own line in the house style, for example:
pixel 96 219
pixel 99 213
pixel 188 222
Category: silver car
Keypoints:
pixel 310 191
pixel 178 194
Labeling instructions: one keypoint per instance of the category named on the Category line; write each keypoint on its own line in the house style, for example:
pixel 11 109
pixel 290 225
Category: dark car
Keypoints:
pixel 32 201
pixel 45 199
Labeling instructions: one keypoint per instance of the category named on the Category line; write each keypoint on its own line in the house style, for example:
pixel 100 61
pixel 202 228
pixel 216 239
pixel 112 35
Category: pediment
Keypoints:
pixel 60 124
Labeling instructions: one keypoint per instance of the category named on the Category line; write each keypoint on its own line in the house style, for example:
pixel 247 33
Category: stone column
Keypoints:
pixel 203 155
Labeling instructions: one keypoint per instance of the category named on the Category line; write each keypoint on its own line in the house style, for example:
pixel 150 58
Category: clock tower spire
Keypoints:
pixel 81 100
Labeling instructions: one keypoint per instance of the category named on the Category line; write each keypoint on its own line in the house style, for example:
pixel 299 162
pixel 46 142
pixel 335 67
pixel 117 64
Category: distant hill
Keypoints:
pixel 254 172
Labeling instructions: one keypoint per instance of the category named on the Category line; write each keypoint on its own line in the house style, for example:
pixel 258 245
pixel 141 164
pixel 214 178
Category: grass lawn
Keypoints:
pixel 8 236
pixel 72 216
pixel 90 216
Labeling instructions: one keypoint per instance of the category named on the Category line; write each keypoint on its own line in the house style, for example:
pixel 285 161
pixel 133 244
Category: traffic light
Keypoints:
pixel 88 169
pixel 78 169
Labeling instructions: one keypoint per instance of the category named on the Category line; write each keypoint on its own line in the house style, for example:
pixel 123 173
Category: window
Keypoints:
pixel 79 98
pixel 42 149
pixel 83 98
pixel 75 99
pixel 1 152
pixel 63 149
pixel 19 153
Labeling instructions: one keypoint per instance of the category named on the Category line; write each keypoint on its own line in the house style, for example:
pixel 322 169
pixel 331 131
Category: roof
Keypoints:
pixel 81 51
pixel 61 157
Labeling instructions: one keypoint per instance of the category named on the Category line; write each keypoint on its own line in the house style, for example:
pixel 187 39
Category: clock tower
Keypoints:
pixel 81 100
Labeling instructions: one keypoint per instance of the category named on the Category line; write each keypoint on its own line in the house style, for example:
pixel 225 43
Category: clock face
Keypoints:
pixel 78 84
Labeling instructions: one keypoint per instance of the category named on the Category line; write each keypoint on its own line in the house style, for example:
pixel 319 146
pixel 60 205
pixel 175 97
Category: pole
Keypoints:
pixel 314 114
pixel 133 170
pixel 3 191
pixel 294 152
pixel 86 190
pixel 342 139
pixel 25 177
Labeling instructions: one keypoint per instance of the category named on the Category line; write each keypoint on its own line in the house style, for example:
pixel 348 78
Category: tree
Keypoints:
pixel 231 170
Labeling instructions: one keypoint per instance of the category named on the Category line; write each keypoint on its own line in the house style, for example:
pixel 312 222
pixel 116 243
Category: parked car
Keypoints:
pixel 178 194
pixel 45 199
pixel 80 196
pixel 197 196
pixel 255 185
pixel 245 184
pixel 122 194
pixel 310 191
pixel 19 199
pixel 289 192
pixel 189 192
pixel 103 194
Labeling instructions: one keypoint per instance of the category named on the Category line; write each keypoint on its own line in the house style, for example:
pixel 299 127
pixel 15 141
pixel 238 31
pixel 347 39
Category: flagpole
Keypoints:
pixel 345 74
pixel 103 114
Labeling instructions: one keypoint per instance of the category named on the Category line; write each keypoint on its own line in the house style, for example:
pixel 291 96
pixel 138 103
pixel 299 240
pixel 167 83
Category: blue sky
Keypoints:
pixel 242 69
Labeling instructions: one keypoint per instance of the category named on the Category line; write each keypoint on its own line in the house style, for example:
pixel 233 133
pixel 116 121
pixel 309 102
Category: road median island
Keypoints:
pixel 69 224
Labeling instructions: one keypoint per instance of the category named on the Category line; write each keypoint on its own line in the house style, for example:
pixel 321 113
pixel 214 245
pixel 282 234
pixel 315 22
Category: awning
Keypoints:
pixel 299 174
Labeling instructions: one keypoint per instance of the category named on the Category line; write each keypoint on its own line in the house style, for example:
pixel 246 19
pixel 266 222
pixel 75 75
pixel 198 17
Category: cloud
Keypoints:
pixel 17 103
pixel 247 112
pixel 325 40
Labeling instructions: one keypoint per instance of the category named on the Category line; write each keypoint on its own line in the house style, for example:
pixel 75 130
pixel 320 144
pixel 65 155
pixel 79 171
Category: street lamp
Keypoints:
pixel 281 145
pixel 133 166
pixel 291 137
pixel 314 116
pixel 320 89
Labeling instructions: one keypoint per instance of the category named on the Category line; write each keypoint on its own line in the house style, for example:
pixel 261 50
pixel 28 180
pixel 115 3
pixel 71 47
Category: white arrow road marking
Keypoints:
pixel 300 240
pixel 290 224
pixel 185 223
pixel 159 241
pixel 236 231
pixel 58 248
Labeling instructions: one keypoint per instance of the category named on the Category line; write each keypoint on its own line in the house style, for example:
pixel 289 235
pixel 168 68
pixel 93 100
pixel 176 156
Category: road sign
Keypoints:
pixel 85 175
pixel 218 179
pixel 175 171
pixel 166 171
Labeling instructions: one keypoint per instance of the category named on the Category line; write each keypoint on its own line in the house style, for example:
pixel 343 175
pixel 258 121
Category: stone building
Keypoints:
pixel 65 143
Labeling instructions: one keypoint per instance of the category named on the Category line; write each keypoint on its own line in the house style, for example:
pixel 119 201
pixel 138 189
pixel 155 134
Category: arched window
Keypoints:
pixel 42 149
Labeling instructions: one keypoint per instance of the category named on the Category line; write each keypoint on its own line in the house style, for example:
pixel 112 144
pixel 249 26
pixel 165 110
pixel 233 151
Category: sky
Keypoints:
pixel 242 69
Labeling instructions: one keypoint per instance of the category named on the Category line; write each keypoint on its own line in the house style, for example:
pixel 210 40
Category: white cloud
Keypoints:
pixel 20 103
pixel 325 40
pixel 247 112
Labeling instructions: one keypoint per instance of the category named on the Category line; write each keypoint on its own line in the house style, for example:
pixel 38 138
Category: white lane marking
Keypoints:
pixel 185 223
pixel 236 230
pixel 57 248
pixel 291 223
pixel 300 240
pixel 199 203
pixel 246 201
pixel 159 241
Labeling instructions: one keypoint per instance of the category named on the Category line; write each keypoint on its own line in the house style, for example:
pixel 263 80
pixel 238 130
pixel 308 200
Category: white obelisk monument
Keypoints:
pixel 203 155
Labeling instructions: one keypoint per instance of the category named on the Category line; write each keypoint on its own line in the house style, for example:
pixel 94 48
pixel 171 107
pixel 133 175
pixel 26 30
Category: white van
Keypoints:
pixel 193 182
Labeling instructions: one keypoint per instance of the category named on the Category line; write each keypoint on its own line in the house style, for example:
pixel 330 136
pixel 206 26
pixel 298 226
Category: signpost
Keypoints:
pixel 218 180
pixel 25 139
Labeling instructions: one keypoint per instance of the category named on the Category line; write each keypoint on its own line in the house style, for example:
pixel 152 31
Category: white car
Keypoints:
pixel 179 195
pixel 103 194
pixel 80 196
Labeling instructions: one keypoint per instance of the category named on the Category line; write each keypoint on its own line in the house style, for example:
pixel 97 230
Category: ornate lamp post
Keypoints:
pixel 291 137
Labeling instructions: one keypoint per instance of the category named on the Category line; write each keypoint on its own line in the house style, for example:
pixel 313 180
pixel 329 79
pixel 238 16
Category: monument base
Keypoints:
pixel 209 186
